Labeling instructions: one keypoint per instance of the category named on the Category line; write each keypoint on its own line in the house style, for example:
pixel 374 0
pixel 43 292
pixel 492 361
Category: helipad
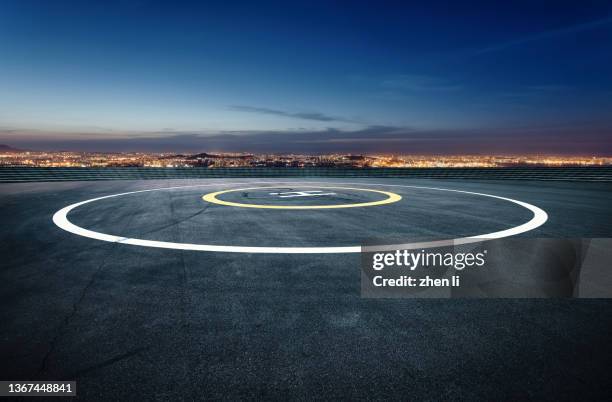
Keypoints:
pixel 390 198
pixel 405 214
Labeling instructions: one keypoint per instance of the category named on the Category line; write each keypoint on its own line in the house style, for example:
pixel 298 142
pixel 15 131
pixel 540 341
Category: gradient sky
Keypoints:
pixel 428 77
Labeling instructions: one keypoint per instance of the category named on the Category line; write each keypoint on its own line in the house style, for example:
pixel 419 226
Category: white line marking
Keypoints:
pixel 308 193
pixel 60 218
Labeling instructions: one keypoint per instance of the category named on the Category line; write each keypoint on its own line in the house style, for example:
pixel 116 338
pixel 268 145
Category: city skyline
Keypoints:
pixel 10 157
pixel 439 78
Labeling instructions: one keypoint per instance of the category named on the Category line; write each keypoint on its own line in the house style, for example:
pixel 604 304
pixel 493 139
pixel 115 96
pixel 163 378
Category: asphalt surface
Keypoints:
pixel 129 322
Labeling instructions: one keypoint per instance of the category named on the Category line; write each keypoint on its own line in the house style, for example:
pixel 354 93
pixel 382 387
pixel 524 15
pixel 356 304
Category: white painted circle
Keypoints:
pixel 60 218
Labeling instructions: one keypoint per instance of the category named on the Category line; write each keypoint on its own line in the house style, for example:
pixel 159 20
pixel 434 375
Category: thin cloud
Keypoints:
pixel 585 140
pixel 545 35
pixel 316 116
pixel 421 83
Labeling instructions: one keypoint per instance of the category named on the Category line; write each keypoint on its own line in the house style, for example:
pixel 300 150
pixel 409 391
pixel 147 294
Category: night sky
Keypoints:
pixel 429 77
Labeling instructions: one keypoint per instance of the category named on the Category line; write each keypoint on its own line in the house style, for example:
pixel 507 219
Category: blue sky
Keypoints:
pixel 355 76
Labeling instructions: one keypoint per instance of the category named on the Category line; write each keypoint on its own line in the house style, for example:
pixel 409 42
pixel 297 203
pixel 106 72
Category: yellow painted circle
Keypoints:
pixel 391 198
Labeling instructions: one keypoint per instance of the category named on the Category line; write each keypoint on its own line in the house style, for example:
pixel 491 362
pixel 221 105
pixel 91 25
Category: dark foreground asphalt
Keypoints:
pixel 132 323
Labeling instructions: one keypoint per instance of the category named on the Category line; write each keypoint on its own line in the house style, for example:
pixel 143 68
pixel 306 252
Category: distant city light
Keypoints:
pixel 229 160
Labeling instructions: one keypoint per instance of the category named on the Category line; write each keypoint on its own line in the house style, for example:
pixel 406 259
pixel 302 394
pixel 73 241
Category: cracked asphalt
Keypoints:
pixel 129 322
